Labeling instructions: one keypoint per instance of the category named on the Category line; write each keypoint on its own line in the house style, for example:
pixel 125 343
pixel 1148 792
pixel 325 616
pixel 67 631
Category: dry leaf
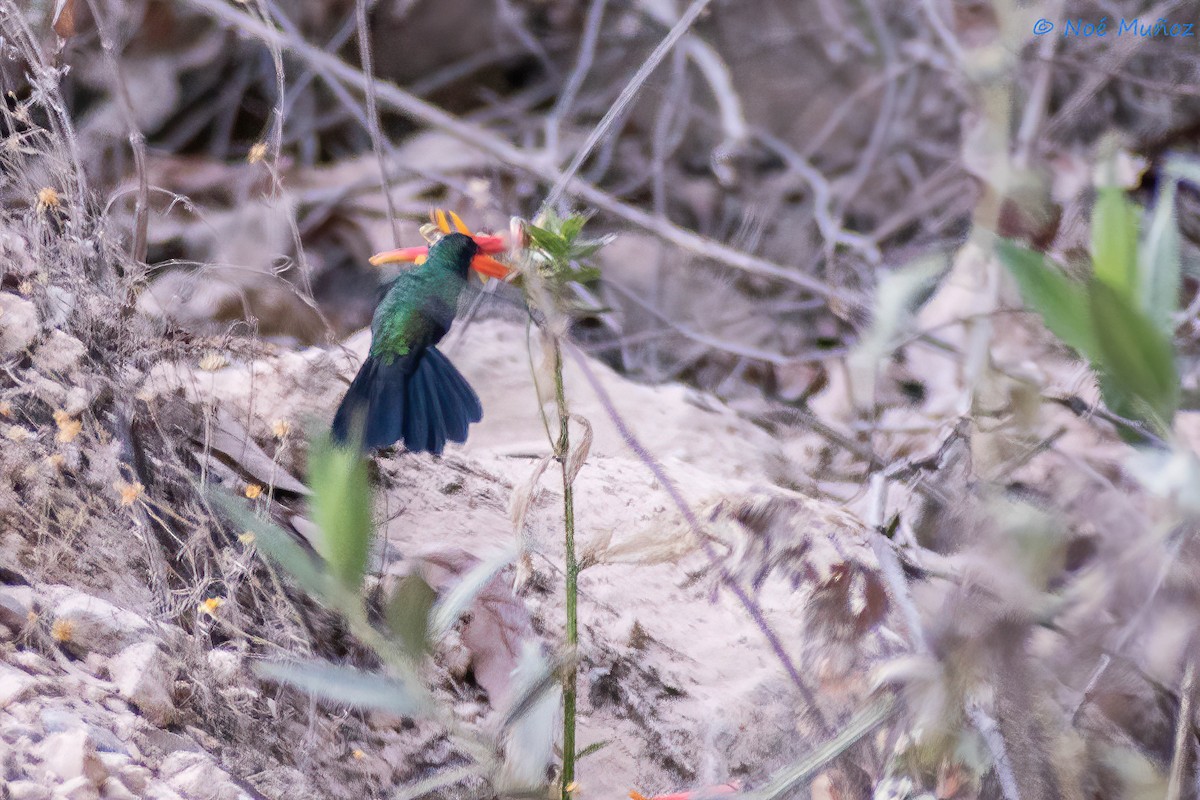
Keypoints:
pixel 64 19
pixel 522 496
pixel 497 623
pixel 579 454
pixel 230 439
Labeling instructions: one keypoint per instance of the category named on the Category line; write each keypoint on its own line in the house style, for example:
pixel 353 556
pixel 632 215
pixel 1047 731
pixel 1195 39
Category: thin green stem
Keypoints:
pixel 562 451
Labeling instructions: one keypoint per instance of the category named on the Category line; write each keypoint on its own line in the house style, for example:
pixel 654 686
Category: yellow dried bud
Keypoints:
pixel 47 197
pixel 62 630
pixel 211 605
pixel 213 362
pixel 68 426
pixel 130 492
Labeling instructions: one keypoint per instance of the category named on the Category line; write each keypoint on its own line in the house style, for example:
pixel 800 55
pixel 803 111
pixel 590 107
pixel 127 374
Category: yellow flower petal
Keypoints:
pixel 211 605
pixel 253 491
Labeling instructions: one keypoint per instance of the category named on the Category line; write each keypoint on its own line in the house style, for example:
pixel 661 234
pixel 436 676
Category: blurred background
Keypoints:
pixel 806 198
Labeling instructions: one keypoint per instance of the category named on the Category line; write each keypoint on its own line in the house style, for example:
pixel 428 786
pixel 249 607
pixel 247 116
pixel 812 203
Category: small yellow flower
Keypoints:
pixel 62 630
pixel 213 362
pixel 130 492
pixel 257 153
pixel 253 491
pixel 211 605
pixel 281 428
pixel 359 755
pixel 68 426
pixel 16 433
pixel 47 197
pixel 246 538
pixel 6 409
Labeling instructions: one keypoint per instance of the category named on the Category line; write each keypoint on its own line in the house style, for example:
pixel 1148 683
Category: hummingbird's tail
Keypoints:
pixel 419 398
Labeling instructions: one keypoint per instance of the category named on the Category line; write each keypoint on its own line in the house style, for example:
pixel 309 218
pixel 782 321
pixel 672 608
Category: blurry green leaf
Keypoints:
pixel 446 611
pixel 784 782
pixel 349 686
pixel 1160 261
pixel 899 294
pixel 1184 168
pixel 407 613
pixel 341 508
pixel 1136 355
pixel 279 546
pixel 1061 302
pixel 1114 242
pixel 531 721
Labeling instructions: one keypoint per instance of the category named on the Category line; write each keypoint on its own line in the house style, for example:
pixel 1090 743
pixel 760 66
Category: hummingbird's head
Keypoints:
pixel 453 246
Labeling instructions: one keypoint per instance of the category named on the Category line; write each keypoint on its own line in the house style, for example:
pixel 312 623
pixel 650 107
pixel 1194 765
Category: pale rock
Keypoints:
pixel 27 790
pixel 60 305
pixel 196 777
pixel 135 777
pixel 71 755
pixel 80 788
pixel 16 603
pixel 160 792
pixel 113 762
pixel 145 678
pixel 93 625
pixel 31 662
pixel 14 684
pixel 114 789
pixel 225 665
pixel 18 323
pixel 60 353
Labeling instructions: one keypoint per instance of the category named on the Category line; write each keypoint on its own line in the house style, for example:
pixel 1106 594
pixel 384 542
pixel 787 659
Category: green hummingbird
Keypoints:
pixel 406 389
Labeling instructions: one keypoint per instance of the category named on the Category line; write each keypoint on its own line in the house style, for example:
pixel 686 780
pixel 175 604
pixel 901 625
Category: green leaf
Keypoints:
pixel 407 613
pixel 341 508
pixel 1114 242
pixel 1160 259
pixel 1061 302
pixel 1135 354
pixel 349 686
pixel 279 546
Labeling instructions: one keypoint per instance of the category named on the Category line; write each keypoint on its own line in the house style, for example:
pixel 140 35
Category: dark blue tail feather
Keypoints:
pixel 419 398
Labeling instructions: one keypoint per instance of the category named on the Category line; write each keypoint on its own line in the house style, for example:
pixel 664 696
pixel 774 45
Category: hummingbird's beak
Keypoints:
pixel 415 255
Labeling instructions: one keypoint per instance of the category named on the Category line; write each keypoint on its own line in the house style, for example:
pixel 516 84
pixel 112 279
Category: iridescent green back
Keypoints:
pixel 421 304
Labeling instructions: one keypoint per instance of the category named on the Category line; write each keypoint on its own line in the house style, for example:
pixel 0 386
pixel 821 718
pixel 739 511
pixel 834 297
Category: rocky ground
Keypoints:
pixel 102 694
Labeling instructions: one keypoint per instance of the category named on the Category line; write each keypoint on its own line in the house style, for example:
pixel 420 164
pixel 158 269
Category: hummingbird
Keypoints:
pixel 407 390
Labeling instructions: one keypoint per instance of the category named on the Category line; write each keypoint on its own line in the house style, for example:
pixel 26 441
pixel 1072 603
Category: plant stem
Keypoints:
pixel 563 450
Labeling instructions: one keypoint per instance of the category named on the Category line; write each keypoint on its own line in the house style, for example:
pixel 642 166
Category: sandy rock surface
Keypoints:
pixel 678 687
